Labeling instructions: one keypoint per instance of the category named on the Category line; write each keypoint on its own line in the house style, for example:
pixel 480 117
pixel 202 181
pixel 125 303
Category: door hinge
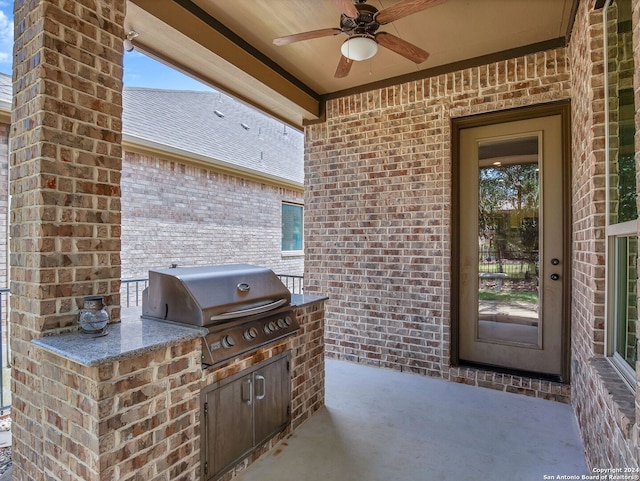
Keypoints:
pixel 288 366
pixel 206 467
pixel 288 409
pixel 206 408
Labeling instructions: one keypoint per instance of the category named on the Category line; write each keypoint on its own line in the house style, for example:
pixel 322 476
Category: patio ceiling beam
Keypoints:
pixel 198 26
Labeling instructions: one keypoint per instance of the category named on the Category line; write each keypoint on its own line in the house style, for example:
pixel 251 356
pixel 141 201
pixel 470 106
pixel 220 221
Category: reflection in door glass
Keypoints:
pixel 508 241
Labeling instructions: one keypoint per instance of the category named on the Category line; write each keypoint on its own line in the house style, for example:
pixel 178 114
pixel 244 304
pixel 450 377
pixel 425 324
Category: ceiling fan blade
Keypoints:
pixel 403 9
pixel 347 7
pixel 344 66
pixel 298 37
pixel 402 47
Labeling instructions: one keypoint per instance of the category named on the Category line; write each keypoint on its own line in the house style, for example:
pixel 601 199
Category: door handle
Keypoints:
pixel 261 380
pixel 555 261
pixel 555 277
pixel 246 391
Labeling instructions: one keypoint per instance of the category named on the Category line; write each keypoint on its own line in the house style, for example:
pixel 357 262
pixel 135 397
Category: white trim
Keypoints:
pixel 629 228
pixel 298 253
pixel 627 374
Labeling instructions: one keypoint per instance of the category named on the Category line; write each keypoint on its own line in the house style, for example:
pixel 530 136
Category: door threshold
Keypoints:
pixel 513 372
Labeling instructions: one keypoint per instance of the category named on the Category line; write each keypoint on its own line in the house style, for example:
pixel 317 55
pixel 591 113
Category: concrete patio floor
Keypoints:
pixel 381 425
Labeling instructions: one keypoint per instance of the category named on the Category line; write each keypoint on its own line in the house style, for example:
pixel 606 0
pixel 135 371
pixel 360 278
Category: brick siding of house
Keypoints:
pixel 65 191
pixel 378 196
pixel 188 214
pixel 378 224
pixel 5 128
pixel 607 411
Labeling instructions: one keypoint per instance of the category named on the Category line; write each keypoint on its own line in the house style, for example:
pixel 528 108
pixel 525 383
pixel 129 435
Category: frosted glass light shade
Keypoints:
pixel 359 48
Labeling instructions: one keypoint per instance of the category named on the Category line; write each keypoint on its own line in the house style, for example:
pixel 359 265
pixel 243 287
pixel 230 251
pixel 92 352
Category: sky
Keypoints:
pixel 139 70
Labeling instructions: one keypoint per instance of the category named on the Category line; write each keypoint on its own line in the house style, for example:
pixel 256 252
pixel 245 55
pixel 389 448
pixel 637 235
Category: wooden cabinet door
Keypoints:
pixel 229 430
pixel 272 394
pixel 243 411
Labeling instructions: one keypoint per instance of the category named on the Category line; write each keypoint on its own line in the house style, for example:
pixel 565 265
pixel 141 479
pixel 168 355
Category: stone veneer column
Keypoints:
pixel 65 185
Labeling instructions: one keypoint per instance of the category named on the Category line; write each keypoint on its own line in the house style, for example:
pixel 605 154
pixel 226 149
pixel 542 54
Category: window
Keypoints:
pixel 292 228
pixel 622 213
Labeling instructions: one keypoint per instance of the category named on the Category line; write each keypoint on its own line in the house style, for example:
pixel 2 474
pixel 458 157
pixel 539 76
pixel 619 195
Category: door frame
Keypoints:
pixel 562 108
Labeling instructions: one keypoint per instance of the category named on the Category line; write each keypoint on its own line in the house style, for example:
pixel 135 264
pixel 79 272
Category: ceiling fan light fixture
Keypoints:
pixel 359 47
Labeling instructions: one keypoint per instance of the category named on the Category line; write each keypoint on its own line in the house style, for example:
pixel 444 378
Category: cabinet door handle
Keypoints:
pixel 261 380
pixel 246 391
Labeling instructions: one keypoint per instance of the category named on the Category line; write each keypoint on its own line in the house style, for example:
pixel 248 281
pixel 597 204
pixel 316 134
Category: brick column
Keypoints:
pixel 65 169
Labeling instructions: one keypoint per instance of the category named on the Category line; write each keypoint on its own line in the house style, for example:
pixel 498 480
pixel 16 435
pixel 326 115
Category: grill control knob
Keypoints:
pixel 287 321
pixel 227 341
pixel 251 333
pixel 281 323
pixel 270 327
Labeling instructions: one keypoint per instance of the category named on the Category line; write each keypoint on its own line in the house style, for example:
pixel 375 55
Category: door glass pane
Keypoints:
pixel 508 241
pixel 626 297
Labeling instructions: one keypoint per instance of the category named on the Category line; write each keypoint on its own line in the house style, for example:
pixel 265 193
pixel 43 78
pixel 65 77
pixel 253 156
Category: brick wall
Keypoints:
pixel 378 196
pixel 65 188
pixel 176 212
pixel 606 409
pixel 132 419
pixel 5 129
pixel 378 226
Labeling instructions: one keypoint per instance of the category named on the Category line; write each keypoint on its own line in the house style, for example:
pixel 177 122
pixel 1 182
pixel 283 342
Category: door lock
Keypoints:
pixel 555 277
pixel 555 261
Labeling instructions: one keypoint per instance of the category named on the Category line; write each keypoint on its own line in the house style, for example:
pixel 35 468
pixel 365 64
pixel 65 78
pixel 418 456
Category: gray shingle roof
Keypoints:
pixel 187 121
pixel 191 121
pixel 6 88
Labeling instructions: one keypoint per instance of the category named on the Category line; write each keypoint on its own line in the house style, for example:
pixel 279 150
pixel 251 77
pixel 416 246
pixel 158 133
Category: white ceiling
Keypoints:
pixel 229 44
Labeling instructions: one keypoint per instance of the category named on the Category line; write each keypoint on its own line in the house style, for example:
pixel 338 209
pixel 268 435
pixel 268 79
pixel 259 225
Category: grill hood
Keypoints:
pixel 208 295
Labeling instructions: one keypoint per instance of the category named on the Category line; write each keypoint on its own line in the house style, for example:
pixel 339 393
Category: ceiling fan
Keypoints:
pixel 360 22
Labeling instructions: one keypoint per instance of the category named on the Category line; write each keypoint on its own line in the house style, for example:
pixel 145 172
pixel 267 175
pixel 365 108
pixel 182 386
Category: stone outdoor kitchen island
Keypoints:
pixel 127 405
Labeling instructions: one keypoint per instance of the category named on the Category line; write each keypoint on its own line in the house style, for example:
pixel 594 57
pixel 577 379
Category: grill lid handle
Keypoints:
pixel 247 312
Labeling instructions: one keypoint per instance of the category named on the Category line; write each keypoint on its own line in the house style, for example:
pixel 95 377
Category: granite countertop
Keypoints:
pixel 300 300
pixel 129 338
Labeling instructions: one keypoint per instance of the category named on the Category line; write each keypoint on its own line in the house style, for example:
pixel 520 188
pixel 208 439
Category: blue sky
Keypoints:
pixel 142 71
pixel 139 70
pixel 6 35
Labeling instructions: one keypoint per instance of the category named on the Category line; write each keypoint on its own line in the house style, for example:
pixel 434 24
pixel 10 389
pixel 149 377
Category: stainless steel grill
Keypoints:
pixel 244 307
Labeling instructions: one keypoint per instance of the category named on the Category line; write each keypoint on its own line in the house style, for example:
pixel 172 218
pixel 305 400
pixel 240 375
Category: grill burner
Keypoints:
pixel 244 307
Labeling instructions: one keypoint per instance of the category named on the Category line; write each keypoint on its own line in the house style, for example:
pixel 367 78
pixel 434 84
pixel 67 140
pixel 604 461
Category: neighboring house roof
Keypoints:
pixel 186 122
pixel 6 89
pixel 214 126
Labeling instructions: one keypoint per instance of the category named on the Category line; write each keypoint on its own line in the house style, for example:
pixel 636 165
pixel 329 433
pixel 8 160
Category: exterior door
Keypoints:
pixel 511 278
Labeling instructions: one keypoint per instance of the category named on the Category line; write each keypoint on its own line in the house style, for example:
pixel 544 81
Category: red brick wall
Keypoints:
pixel 378 196
pixel 4 204
pixel 65 188
pixel 173 212
pixel 378 226
pixel 607 410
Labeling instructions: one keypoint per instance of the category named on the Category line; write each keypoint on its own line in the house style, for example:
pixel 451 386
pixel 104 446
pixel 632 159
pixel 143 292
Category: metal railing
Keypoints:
pixel 294 283
pixel 131 289
pixel 131 292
